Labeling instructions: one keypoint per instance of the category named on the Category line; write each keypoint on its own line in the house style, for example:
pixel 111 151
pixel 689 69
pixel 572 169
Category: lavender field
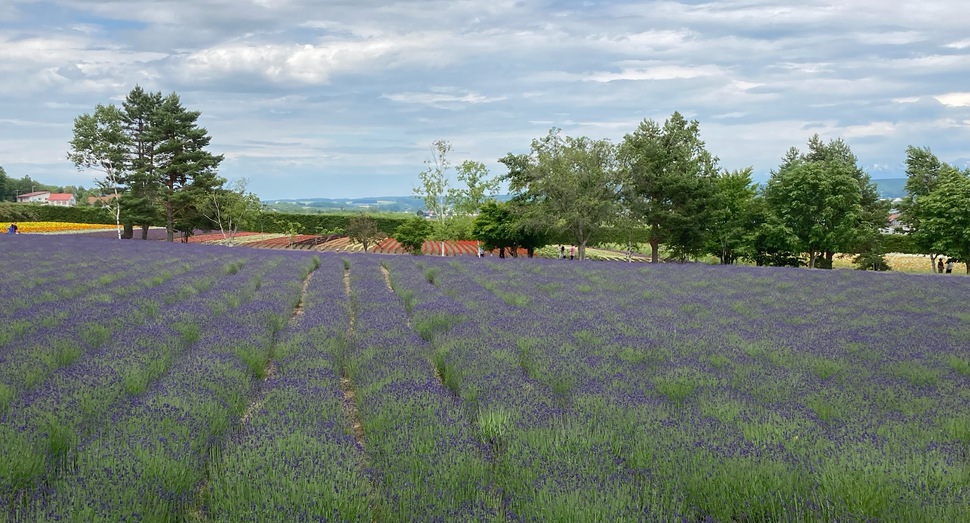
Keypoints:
pixel 142 381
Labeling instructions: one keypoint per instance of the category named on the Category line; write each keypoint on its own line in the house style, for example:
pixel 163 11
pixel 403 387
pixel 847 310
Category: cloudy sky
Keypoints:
pixel 343 98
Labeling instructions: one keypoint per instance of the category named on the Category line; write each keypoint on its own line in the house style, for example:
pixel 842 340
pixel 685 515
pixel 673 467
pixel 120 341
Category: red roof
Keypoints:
pixel 60 197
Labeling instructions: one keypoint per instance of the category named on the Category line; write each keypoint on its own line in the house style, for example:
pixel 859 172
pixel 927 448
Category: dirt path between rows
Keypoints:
pixel 346 386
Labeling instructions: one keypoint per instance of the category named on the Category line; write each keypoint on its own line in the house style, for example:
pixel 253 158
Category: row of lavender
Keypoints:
pixel 729 393
pixel 421 446
pixel 295 459
pixel 118 415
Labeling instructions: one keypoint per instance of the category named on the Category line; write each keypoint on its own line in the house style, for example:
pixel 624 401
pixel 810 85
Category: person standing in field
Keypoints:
pixel 12 229
pixel 562 252
pixel 939 266
pixel 949 266
pixel 572 252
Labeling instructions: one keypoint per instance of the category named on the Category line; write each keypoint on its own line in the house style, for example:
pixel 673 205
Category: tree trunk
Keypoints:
pixel 530 251
pixel 144 231
pixel 654 243
pixel 933 263
pixel 811 259
pixel 169 222
pixel 129 232
pixel 582 250
pixel 117 211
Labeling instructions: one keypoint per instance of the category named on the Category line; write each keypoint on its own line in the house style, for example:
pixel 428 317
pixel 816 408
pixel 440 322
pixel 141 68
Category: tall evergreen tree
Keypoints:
pixel 141 203
pixel 181 162
pixel 155 147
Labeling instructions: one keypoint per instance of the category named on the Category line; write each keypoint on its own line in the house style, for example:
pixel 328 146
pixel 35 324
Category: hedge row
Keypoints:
pixel 29 212
pixel 280 222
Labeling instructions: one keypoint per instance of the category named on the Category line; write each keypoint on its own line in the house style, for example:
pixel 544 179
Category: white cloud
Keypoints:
pixel 960 44
pixel 443 98
pixel 655 72
pixel 954 99
pixel 869 129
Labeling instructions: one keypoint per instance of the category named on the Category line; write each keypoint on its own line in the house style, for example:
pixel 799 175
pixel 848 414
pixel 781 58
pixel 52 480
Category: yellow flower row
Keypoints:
pixel 49 227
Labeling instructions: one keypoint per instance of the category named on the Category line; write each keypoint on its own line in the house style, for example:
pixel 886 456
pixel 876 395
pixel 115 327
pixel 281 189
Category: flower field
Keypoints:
pixel 148 381
pixel 61 227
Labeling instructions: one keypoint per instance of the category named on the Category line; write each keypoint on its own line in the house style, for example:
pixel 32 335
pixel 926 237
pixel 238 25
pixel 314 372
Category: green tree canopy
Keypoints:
pixel 433 188
pixel 923 173
pixel 945 215
pixel 100 143
pixel 667 181
pixel 824 199
pixel 413 233
pixel 569 183
pixel 477 188
pixel 730 214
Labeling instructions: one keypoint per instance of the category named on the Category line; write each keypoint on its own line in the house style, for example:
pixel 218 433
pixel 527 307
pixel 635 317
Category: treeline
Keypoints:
pixel 662 187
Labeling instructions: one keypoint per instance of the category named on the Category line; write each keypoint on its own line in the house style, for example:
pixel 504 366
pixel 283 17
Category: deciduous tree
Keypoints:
pixel 667 182
pixel 825 200
pixel 478 187
pixel 413 233
pixel 945 215
pixel 434 183
pixel 101 144
pixel 570 182
pixel 363 229
pixel 730 214
pixel 923 172
pixel 227 208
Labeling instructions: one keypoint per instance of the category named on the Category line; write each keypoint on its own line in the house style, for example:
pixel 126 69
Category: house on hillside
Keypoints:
pixel 48 198
pixel 34 197
pixel 62 199
pixel 101 200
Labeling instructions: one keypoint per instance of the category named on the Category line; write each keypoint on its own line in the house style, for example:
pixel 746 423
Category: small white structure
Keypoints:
pixel 34 197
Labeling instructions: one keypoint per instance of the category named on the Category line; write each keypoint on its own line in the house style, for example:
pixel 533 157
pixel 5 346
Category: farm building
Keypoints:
pixel 49 198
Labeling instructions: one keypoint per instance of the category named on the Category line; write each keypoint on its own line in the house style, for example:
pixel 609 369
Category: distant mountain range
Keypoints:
pixel 371 204
pixel 890 188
